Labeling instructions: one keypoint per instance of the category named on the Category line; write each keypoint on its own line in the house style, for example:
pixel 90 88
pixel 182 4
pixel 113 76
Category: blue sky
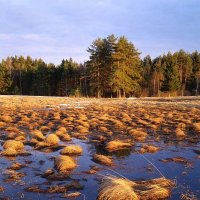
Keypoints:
pixel 57 29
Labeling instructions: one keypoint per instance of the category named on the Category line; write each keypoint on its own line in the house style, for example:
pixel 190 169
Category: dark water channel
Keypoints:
pixel 129 164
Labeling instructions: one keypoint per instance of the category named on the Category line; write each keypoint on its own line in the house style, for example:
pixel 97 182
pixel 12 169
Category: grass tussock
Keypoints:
pixel 52 139
pixel 63 136
pixel 63 130
pixel 114 188
pixel 149 149
pixel 12 144
pixel 37 135
pixel 2 124
pixel 6 118
pixel 64 163
pixel 117 145
pixel 9 152
pixel 44 128
pixel 179 133
pixel 104 160
pixel 138 135
pixel 72 150
pixel 197 127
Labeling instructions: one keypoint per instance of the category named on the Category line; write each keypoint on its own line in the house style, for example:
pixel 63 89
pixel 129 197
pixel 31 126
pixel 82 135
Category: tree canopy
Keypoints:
pixel 114 69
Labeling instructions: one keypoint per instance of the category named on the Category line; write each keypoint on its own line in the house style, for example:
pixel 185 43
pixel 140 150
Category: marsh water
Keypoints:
pixel 128 163
pixel 177 159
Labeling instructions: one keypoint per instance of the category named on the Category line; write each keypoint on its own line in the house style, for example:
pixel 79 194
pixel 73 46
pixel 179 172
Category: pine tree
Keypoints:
pixel 127 68
pixel 171 82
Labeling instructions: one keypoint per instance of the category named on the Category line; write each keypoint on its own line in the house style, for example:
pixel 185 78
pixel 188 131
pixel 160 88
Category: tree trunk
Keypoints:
pixel 197 87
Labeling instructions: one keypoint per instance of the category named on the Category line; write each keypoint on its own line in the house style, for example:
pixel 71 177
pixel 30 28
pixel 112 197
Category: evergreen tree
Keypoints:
pixel 127 68
pixel 171 80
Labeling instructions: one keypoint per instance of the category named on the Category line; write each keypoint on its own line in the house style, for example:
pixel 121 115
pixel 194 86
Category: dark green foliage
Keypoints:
pixel 113 70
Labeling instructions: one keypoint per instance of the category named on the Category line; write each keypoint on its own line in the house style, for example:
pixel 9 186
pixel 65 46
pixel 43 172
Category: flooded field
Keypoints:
pixel 64 148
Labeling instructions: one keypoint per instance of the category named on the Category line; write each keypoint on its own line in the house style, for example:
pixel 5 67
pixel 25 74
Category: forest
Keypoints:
pixel 114 69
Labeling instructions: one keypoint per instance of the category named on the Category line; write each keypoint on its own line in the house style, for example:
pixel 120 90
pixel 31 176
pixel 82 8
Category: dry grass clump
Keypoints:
pixel 179 133
pixel 72 195
pixel 114 188
pixel 9 152
pixel 11 135
pixel 52 139
pixel 103 129
pixel 6 118
pixel 149 149
pixel 157 120
pixel 41 145
pixel 138 134
pixel 79 136
pixel 21 138
pixel 82 129
pixel 104 160
pixel 12 129
pixel 37 135
pixel 63 136
pixel 117 145
pixel 197 127
pixel 72 150
pixel 181 125
pixel 64 163
pixel 2 124
pixel 44 128
pixel 62 130
pixel 12 144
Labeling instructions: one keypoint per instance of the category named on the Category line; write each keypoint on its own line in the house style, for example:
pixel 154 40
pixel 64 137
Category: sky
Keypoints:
pixel 58 29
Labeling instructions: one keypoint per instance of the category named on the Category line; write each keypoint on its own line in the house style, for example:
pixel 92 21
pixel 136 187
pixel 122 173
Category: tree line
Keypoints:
pixel 114 69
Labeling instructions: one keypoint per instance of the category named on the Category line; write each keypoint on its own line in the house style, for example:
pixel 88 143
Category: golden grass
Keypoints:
pixel 64 163
pixel 52 139
pixel 12 129
pixel 6 118
pixel 104 160
pixel 149 149
pixel 20 138
pixel 17 145
pixel 72 150
pixel 113 188
pixel 62 130
pixel 138 134
pixel 82 129
pixel 117 145
pixel 9 152
pixel 63 136
pixel 44 128
pixel 37 135
pixel 197 127
pixel 2 124
pixel 179 133
pixel 116 189
pixel 40 145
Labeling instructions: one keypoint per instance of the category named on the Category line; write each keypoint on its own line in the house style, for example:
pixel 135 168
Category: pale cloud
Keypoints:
pixel 59 29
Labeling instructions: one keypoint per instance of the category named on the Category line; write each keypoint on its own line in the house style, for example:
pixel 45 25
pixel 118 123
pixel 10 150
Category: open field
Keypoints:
pixel 59 147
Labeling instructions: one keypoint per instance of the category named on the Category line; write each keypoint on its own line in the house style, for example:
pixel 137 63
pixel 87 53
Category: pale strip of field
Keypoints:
pixel 29 102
